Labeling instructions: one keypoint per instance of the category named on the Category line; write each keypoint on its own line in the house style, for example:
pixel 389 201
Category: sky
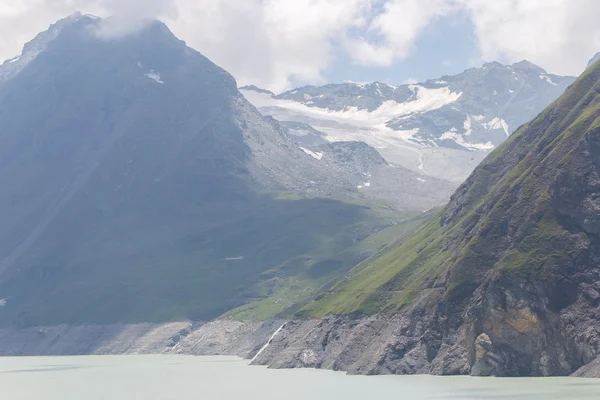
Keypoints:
pixel 280 44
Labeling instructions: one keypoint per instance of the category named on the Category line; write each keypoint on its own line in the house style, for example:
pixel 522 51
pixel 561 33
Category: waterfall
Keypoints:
pixel 268 343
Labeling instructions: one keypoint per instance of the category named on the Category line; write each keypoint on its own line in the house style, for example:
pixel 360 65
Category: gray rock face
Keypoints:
pixel 12 67
pixel 378 180
pixel 304 134
pixel 520 336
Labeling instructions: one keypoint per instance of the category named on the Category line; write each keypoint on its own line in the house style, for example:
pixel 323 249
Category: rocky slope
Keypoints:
pixel 505 281
pixel 442 126
pixel 190 338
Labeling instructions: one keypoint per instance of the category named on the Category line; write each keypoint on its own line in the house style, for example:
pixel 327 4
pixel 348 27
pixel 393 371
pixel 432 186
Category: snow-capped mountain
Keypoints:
pixel 434 122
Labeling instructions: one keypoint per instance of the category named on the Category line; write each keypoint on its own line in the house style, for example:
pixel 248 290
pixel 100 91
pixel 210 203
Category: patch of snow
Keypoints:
pixel 422 164
pixel 357 84
pixel 307 96
pixel 460 140
pixel 548 79
pixel 12 60
pixel 441 82
pixel 424 100
pixel 478 117
pixel 155 76
pixel 468 125
pixel 268 343
pixel 495 92
pixel 3 302
pixel 139 64
pixel 498 123
pixel 316 156
pixel 510 90
pixel 92 16
pixel 421 180
pixel 240 258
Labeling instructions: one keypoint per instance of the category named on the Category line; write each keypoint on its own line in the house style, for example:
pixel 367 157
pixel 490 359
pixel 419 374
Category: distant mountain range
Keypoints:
pixel 426 127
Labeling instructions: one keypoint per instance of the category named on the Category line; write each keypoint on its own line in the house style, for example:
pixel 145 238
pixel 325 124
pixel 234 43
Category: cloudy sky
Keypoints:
pixel 282 43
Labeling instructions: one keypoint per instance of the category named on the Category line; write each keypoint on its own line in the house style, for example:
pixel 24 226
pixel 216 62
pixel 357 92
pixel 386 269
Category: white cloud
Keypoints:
pixel 396 29
pixel 131 15
pixel 560 35
pixel 272 42
pixel 266 42
pixel 269 42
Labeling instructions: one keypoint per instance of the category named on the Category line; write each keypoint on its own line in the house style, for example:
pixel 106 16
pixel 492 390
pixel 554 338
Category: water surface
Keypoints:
pixel 226 378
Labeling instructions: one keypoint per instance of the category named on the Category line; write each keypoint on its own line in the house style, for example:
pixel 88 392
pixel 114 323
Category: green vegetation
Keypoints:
pixel 297 280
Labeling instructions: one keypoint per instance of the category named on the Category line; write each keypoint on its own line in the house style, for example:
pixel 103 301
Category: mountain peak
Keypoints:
pixel 528 65
pixel 40 43
pixel 493 64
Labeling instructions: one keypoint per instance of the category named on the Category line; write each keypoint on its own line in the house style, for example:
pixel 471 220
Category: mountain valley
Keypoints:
pixel 150 206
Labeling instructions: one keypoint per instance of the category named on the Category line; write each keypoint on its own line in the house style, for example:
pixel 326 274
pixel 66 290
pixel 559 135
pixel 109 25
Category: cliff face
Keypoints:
pixel 505 282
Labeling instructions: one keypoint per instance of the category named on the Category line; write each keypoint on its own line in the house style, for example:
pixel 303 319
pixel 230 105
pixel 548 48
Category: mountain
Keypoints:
pixel 138 184
pixel 503 281
pixel 443 126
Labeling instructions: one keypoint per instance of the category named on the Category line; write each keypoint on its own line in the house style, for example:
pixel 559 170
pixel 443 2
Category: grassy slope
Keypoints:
pixel 291 284
pixel 502 219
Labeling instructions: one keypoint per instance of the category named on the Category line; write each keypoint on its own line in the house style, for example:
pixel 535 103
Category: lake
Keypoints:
pixel 228 378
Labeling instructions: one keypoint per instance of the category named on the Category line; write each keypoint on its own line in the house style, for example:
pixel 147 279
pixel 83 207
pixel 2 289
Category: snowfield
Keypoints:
pixel 400 147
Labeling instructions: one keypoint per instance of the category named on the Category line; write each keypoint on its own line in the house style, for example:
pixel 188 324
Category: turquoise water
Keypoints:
pixel 226 378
